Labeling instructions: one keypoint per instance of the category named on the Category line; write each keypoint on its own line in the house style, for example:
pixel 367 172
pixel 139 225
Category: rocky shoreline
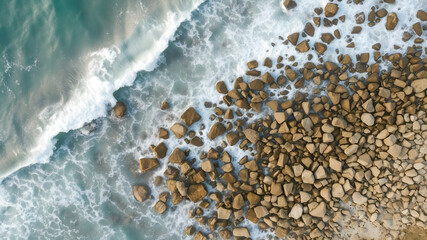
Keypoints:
pixel 359 139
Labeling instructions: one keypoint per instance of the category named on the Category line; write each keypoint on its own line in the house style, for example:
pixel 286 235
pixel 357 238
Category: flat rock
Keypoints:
pixel 261 211
pixel 146 164
pixel 190 116
pixel 395 150
pixel 251 135
pixel 296 211
pixel 358 198
pixel 177 156
pixel 419 85
pixel 196 192
pixel 276 189
pixel 141 192
pixel 179 130
pixel 368 119
pixel 241 232
pixel 216 130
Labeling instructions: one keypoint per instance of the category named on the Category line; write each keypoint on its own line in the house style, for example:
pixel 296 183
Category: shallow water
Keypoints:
pixel 82 188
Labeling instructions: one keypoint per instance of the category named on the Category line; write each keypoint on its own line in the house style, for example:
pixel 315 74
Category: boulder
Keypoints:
pixel 221 87
pixel 119 109
pixel 296 211
pixel 164 105
pixel 358 198
pixel 392 21
pixel 276 189
pixel 216 130
pixel 253 198
pixel 190 116
pixel 141 192
pixel 160 207
pixel 331 9
pixel 241 232
pixel 319 211
pixel 303 46
pixel 196 192
pixel 163 133
pixel 238 202
pixel 179 130
pixel 224 213
pixel 335 164
pixel 207 166
pixel 368 119
pixel 293 38
pixel 160 150
pixel 182 189
pixel 251 135
pixel 419 85
pixel 252 64
pixel 422 15
pixel 261 211
pixel 146 164
pixel 177 156
pixel 232 138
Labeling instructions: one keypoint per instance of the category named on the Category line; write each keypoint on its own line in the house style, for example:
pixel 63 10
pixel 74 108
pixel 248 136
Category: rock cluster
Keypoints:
pixel 360 141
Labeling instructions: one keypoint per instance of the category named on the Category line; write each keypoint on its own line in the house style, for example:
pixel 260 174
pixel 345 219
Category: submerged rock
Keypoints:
pixel 119 109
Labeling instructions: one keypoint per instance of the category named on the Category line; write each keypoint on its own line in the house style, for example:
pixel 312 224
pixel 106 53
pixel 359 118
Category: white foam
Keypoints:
pixel 108 70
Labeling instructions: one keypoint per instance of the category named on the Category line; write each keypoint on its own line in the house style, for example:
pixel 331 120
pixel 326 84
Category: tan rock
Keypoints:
pixel 365 160
pixel 160 150
pixel 303 46
pixel 395 150
pixel 335 164
pixel 141 192
pixel 190 116
pixel 160 207
pixel 221 87
pixel 253 198
pixel 216 130
pixel 146 164
pixel 252 64
pixel 368 119
pixel 392 21
pixel 232 138
pixel 307 124
pixel 419 85
pixel 320 173
pixel 331 9
pixel 276 189
pixel 293 38
pixel 319 211
pixel 196 192
pixel 358 198
pixel 182 189
pixel 163 133
pixel 261 211
pixel 241 232
pixel 337 190
pixel 307 177
pixel 207 166
pixel 177 156
pixel 339 122
pixel 179 130
pixel 119 109
pixel 251 135
pixel 238 202
pixel 352 149
pixel 296 211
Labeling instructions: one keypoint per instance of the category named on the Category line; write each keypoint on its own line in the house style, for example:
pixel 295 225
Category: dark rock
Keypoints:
pixel 119 109
pixel 190 116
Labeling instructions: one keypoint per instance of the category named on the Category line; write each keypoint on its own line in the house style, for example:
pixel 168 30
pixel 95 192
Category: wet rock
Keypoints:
pixel 252 64
pixel 141 192
pixel 160 207
pixel 320 47
pixel 164 105
pixel 160 150
pixel 232 138
pixel 119 109
pixel 216 130
pixel 331 9
pixel 293 38
pixel 196 141
pixel 260 211
pixel 251 135
pixel 179 130
pixel 289 4
pixel 190 116
pixel 190 230
pixel 207 166
pixel 177 156
pixel 196 192
pixel 163 133
pixel 221 87
pixel 303 46
pixel 146 164
pixel 392 21
pixel 238 202
pixel 224 213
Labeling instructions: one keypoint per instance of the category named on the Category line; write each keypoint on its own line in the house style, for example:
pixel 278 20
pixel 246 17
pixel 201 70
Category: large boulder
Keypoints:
pixel 196 192
pixel 216 130
pixel 160 150
pixel 190 116
pixel 119 109
pixel 146 164
pixel 141 192
pixel 251 135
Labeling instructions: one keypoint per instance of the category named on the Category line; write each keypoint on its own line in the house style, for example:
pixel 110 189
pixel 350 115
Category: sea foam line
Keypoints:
pixel 108 70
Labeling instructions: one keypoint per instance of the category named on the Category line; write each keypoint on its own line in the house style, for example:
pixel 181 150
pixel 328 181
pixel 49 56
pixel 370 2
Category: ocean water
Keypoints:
pixel 66 165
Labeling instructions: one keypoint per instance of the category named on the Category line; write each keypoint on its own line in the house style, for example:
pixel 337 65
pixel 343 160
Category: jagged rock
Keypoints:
pixel 224 213
pixel 319 211
pixel 196 192
pixel 241 232
pixel 164 105
pixel 190 116
pixel 141 192
pixel 216 130
pixel 232 138
pixel 260 211
pixel 146 164
pixel 293 38
pixel 251 135
pixel 160 150
pixel 303 46
pixel 221 87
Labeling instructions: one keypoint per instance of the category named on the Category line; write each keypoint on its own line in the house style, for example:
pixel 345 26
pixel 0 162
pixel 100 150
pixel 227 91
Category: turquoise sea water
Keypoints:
pixel 68 166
